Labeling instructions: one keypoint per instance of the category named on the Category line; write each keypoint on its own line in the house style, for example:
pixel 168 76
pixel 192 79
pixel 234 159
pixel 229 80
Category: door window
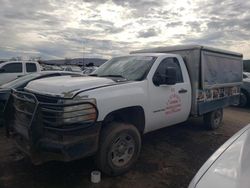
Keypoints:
pixel 169 63
pixel 31 67
pixel 13 68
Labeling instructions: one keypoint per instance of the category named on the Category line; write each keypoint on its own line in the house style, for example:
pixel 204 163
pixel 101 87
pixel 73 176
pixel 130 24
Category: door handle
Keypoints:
pixel 182 91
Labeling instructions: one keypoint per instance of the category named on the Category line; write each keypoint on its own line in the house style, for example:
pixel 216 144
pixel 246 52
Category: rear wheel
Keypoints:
pixel 243 99
pixel 119 148
pixel 213 119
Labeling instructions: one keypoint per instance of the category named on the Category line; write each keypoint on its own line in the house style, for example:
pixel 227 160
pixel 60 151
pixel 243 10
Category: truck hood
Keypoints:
pixel 229 166
pixel 67 86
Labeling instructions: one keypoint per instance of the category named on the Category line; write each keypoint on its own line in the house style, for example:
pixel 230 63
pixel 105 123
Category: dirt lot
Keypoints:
pixel 169 158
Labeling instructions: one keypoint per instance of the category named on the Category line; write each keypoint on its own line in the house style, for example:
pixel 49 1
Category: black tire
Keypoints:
pixel 243 99
pixel 107 157
pixel 213 119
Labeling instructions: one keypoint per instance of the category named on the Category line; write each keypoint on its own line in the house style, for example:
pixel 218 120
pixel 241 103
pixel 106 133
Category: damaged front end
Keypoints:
pixel 49 128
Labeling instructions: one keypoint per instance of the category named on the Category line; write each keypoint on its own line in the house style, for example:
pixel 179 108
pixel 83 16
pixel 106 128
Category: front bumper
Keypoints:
pixel 59 146
pixel 44 143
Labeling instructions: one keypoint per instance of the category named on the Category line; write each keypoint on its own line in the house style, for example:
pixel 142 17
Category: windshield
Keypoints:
pixel 19 81
pixel 129 67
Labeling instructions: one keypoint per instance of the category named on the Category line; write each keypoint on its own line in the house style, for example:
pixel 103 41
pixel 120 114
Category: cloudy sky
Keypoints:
pixel 55 29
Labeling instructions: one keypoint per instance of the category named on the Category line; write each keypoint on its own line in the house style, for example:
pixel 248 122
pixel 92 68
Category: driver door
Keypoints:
pixel 168 102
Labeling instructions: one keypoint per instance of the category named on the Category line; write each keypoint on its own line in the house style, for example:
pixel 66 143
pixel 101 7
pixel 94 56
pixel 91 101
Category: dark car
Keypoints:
pixel 21 82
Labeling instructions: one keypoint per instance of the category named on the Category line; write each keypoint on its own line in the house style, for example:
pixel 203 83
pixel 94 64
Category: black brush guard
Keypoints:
pixel 39 131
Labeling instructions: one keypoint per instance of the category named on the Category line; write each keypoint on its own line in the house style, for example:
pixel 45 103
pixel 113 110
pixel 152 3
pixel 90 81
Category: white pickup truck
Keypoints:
pixel 11 70
pixel 106 113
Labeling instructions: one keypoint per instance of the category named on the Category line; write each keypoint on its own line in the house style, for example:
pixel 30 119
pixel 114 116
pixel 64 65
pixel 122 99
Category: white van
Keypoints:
pixel 11 70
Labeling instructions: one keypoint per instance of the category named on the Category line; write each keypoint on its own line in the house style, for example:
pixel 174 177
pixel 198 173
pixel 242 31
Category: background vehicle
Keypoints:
pixel 51 68
pixel 106 113
pixel 89 70
pixel 228 166
pixel 246 74
pixel 71 68
pixel 21 82
pixel 11 70
pixel 245 90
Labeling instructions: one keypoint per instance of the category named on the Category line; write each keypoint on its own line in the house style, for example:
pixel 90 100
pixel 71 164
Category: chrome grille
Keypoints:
pixel 51 114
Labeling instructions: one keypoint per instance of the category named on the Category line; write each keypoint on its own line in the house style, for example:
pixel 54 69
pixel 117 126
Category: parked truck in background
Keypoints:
pixel 10 70
pixel 106 113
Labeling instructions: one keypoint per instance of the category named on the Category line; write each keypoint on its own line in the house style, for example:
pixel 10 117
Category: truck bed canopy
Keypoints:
pixel 208 68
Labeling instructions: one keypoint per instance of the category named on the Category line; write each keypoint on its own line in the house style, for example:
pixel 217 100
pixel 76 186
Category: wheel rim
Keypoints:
pixel 122 150
pixel 217 118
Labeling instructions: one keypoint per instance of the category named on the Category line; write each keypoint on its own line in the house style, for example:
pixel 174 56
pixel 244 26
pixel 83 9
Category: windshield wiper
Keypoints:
pixel 116 76
pixel 112 75
pixel 93 75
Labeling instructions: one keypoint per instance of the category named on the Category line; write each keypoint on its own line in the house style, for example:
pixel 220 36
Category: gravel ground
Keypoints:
pixel 170 157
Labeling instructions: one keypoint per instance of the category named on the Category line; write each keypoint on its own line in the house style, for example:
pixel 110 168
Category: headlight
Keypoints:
pixel 71 112
pixel 79 113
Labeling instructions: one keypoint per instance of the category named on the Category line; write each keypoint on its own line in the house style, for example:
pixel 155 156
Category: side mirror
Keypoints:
pixel 157 79
pixel 2 70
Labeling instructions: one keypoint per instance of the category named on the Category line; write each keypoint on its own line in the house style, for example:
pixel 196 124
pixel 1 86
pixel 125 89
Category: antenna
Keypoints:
pixel 82 53
pixel 82 41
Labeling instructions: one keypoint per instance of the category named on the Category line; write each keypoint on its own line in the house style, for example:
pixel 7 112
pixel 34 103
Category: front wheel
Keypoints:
pixel 213 119
pixel 119 148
